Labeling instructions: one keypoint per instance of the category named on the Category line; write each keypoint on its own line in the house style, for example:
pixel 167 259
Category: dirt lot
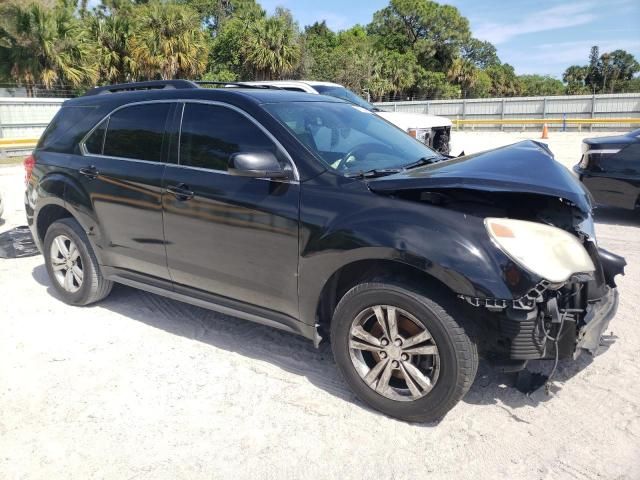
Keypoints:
pixel 144 387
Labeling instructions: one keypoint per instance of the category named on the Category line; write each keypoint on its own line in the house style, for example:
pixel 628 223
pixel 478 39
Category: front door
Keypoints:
pixel 231 236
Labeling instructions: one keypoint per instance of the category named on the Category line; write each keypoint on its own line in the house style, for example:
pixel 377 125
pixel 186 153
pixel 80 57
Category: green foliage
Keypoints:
pixel 504 82
pixel 411 49
pixel 481 53
pixel 168 42
pixel 111 35
pixel 318 52
pixel 46 46
pixel 540 85
pixel 435 85
pixel 607 73
pixel 481 88
pixel 434 33
pixel 270 49
pixel 464 73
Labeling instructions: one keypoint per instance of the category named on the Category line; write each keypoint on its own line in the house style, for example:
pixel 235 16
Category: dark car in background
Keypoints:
pixel 610 169
pixel 410 263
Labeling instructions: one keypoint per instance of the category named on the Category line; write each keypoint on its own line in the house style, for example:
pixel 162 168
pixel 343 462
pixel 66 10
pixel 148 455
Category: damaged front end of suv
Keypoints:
pixel 557 292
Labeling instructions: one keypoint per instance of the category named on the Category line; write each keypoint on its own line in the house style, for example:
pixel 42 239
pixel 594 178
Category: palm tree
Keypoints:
pixel 111 34
pixel 575 77
pixel 45 46
pixel 464 73
pixel 168 42
pixel 271 49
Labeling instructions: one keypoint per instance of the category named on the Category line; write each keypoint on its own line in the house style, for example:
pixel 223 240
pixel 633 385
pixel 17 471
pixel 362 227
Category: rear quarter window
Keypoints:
pixel 66 129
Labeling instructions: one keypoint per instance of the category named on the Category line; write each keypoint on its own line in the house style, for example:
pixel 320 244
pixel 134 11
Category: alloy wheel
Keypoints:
pixel 66 263
pixel 394 353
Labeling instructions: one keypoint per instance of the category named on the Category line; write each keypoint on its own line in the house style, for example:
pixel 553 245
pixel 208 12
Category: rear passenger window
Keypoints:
pixel 94 143
pixel 136 132
pixel 210 134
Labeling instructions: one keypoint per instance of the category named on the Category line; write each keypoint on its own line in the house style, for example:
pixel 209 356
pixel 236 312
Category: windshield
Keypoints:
pixel 343 94
pixel 350 139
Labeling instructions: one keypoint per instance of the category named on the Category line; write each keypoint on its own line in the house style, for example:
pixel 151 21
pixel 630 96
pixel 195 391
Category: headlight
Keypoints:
pixel 420 134
pixel 547 251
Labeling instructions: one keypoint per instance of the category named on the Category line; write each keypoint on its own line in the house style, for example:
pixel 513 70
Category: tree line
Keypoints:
pixel 410 49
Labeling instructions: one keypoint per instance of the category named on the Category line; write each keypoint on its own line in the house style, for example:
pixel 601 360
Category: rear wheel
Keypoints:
pixel 72 265
pixel 401 352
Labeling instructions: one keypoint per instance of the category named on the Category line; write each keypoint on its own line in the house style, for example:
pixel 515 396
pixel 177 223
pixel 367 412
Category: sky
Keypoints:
pixel 535 36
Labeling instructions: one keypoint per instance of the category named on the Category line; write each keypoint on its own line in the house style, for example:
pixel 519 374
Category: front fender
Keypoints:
pixel 450 246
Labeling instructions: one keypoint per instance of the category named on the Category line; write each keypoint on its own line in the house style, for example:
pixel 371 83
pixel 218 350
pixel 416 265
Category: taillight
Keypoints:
pixel 29 163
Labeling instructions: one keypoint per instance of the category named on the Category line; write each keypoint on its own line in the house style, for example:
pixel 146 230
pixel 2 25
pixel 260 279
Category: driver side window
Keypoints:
pixel 210 134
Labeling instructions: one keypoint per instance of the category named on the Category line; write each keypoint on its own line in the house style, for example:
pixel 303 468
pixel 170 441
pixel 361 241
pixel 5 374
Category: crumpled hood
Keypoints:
pixel 406 120
pixel 527 167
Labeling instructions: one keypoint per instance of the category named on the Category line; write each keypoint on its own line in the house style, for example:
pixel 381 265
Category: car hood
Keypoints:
pixel 611 140
pixel 406 120
pixel 527 167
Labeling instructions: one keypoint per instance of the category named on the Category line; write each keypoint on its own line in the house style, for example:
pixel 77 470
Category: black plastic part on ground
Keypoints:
pixel 17 243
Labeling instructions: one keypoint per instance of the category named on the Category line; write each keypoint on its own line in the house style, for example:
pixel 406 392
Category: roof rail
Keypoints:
pixel 151 85
pixel 236 84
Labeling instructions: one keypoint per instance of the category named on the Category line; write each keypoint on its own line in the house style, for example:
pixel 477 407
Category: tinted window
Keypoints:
pixel 66 129
pixel 210 134
pixel 95 141
pixel 136 132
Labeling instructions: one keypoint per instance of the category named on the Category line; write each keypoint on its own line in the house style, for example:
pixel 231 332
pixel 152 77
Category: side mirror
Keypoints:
pixel 256 165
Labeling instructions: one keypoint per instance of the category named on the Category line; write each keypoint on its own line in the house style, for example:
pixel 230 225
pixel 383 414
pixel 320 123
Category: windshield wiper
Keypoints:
pixel 376 172
pixel 423 161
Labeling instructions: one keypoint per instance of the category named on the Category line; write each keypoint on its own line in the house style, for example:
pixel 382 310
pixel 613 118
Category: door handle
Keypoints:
pixel 90 172
pixel 180 191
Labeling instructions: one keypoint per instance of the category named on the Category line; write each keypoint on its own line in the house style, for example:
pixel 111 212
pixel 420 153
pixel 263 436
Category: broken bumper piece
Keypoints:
pixel 596 320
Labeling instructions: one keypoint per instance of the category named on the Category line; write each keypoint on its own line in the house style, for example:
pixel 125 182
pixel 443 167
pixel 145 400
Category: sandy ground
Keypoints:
pixel 144 387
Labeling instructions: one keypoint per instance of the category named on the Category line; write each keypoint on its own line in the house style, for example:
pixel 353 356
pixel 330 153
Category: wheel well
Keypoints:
pixel 47 216
pixel 363 271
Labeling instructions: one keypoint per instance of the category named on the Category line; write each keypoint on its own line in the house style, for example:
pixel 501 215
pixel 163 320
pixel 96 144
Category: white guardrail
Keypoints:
pixel 507 111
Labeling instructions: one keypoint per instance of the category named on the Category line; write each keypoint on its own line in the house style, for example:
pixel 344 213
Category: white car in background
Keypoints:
pixel 429 129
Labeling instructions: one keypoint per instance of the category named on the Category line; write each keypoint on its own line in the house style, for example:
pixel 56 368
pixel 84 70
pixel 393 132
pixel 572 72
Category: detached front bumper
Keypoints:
pixel 596 321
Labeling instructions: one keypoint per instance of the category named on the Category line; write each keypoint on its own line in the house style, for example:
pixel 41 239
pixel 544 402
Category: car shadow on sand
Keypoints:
pixel 296 354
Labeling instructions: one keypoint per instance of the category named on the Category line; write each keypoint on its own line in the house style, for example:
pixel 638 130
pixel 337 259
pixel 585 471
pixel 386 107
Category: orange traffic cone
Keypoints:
pixel 545 132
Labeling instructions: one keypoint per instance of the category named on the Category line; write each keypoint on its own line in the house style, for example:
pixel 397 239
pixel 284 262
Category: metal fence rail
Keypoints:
pixel 592 107
pixel 24 119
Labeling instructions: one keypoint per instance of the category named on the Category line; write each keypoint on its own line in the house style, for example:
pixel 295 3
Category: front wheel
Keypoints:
pixel 402 353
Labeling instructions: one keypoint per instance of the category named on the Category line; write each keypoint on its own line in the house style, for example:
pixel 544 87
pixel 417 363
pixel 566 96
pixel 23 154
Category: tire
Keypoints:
pixel 93 287
pixel 451 370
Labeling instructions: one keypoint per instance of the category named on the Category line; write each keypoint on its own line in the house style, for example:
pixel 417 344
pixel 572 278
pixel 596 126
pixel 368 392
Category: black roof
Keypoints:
pixel 235 95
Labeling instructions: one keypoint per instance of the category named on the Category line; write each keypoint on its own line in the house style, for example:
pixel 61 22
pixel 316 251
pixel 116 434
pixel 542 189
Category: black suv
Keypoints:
pixel 315 216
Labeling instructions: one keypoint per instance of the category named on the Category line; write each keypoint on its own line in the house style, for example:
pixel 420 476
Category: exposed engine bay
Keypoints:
pixel 551 319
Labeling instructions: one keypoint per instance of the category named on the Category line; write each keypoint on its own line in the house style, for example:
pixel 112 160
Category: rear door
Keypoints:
pixel 121 170
pixel 235 237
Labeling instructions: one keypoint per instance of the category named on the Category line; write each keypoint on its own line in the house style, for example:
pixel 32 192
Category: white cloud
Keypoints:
pixel 554 18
